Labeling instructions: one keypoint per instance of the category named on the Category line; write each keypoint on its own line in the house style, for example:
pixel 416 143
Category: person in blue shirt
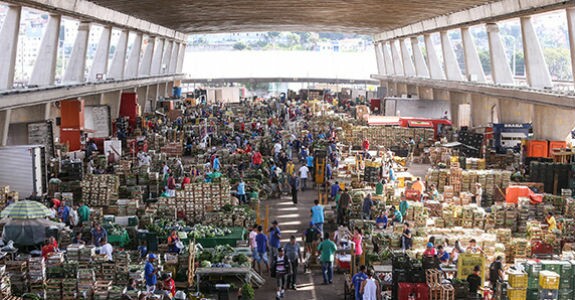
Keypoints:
pixel 328 171
pixel 217 164
pixel 317 216
pixel 261 247
pixel 242 191
pixel 381 220
pixel 150 273
pixel 64 212
pixel 334 189
pixel 357 279
pixel 309 160
pixel 275 236
pixel 442 255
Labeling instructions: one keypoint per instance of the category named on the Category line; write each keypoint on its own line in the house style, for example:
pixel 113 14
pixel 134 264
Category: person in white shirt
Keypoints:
pixel 277 149
pixel 303 174
pixel 253 244
pixel 106 248
pixel 165 168
pixel 73 217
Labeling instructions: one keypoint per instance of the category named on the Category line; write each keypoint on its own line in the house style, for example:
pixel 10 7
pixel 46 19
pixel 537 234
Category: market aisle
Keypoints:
pixel 293 220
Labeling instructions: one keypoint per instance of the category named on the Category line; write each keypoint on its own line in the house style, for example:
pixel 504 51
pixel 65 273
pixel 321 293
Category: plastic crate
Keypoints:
pixel 566 269
pixel 517 280
pixel 532 294
pixel 533 268
pixel 516 294
pixel 548 294
pixel 551 265
pixel 565 283
pixel 533 282
pixel 566 294
pixel 549 280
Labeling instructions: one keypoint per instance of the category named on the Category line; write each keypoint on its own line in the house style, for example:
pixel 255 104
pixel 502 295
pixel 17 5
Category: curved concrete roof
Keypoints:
pixel 361 16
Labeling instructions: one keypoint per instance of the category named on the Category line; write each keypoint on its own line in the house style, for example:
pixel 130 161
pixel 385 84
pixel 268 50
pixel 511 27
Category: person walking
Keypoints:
pixel 275 236
pixel 357 241
pixel 294 184
pixel 317 215
pixel 406 237
pixel 281 269
pixel 262 244
pixel 367 207
pixel 242 192
pixel 303 175
pixel 343 207
pixel 327 250
pixel 357 281
pixel 293 253
pixel 496 272
pixel 370 288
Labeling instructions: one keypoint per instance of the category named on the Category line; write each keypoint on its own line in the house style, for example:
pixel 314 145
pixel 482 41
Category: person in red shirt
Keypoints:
pixel 257 159
pixel 248 148
pixel 56 203
pixel 186 180
pixel 242 126
pixel 169 284
pixel 51 246
pixel 365 145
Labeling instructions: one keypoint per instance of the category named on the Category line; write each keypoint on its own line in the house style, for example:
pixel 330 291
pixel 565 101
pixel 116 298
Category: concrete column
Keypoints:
pixel 451 66
pixel 441 94
pixel 420 65
pixel 76 68
pixel 9 46
pixel 100 64
pixel 112 99
pixel 165 68
pixel 44 71
pixel 387 60
pixel 571 26
pixel 435 70
pixel 513 111
pixel 398 65
pixel 379 59
pixel 174 58
pixel 484 110
pixel 181 56
pixel 552 123
pixel 157 58
pixel 146 64
pixel 5 117
pixel 535 66
pixel 425 93
pixel 93 100
pixel 455 100
pixel 153 94
pixel 408 67
pixel 473 66
pixel 47 110
pixel 119 61
pixel 133 65
pixel 142 97
pixel 500 70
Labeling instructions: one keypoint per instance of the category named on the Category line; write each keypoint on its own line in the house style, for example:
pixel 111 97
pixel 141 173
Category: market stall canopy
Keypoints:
pixel 25 210
pixel 27 232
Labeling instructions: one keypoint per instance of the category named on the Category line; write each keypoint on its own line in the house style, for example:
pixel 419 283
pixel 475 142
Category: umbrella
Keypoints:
pixel 25 210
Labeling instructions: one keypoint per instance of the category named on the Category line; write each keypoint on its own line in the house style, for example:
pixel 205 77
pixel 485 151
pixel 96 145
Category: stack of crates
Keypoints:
pixel 517 289
pixel 566 281
pixel 533 268
pixel 549 285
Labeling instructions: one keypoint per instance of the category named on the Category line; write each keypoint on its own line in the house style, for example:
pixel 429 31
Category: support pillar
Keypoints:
pixel 100 64
pixel 44 72
pixel 157 58
pixel 571 26
pixel 408 67
pixel 435 70
pixel 379 59
pixel 536 69
pixel 451 66
pixel 420 65
pixel 153 94
pixel 9 46
pixel 47 110
pixel 484 110
pixel 146 65
pixel 455 100
pixel 76 68
pixel 181 56
pixel 552 123
pixel 387 60
pixel 119 61
pixel 473 68
pixel 513 111
pixel 112 99
pixel 5 117
pixel 132 68
pixel 500 70
pixel 396 58
pixel 174 58
pixel 142 97
pixel 165 67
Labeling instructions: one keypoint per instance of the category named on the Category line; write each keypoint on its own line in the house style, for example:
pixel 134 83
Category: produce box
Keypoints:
pixel 467 262
pixel 517 280
pixel 237 234
pixel 549 280
pixel 516 294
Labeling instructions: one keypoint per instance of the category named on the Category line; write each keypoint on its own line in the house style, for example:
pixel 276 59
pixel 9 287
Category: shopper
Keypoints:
pixel 303 175
pixel 83 212
pixel 293 253
pixel 474 281
pixel 281 268
pixel 343 207
pixel 317 215
pixel 357 281
pixel 64 213
pixel 242 192
pixel 275 236
pixel 370 289
pixel 406 237
pixel 403 207
pixel 496 272
pixel 171 185
pixel 327 250
pixel 262 244
pixel 379 187
pixel 253 244
pixel 98 233
pixel 216 165
pixel 174 243
pixel 358 246
pixel 367 207
pixel 106 249
pixel 150 273
pixel 334 189
pixel 294 184
pixel 310 236
pixel 74 219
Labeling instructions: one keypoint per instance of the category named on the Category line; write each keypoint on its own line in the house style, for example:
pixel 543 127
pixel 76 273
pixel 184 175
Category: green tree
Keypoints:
pixel 485 61
pixel 559 63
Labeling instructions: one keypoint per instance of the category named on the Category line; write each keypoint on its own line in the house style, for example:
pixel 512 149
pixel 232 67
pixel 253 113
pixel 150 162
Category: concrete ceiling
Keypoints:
pixel 360 16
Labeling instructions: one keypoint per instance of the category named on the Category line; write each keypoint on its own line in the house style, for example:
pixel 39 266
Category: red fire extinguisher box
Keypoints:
pixel 129 107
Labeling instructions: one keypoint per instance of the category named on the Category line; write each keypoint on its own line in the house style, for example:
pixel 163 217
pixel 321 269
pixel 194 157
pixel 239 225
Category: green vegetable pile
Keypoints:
pixel 200 231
